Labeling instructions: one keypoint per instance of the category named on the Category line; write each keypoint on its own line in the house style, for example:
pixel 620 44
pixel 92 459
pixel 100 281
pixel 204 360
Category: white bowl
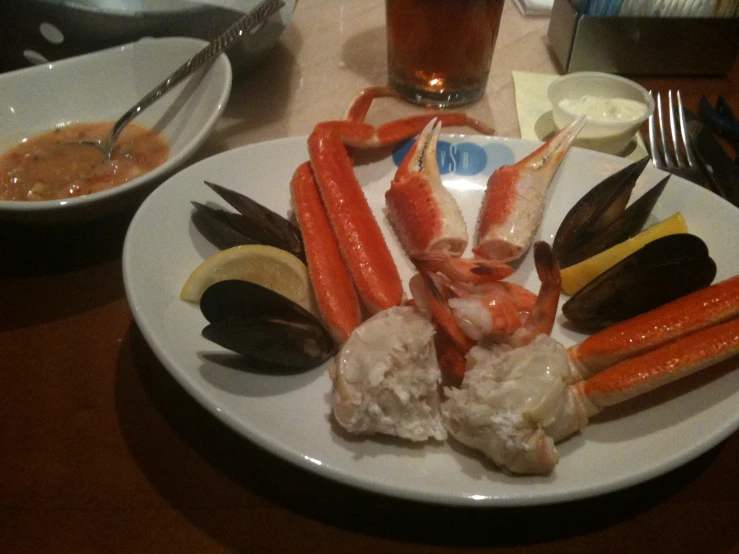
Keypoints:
pixel 102 86
pixel 606 134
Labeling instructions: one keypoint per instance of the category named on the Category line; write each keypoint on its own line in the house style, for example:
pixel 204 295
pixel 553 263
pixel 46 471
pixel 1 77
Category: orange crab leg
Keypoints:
pixel 358 234
pixel 515 197
pixel 360 104
pixel 690 313
pixel 364 135
pixel 673 361
pixel 332 284
pixel 425 216
pixel 401 129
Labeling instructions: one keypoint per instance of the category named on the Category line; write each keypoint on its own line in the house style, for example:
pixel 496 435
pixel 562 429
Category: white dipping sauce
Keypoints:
pixel 601 108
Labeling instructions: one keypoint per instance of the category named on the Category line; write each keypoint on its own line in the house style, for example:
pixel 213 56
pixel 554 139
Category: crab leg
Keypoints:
pixel 669 363
pixel 423 212
pixel 401 129
pixel 363 135
pixel 332 284
pixel 360 104
pixel 698 310
pixel 515 197
pixel 360 239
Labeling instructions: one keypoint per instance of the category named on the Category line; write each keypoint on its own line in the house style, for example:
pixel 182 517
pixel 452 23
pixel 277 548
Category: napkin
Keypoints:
pixel 535 111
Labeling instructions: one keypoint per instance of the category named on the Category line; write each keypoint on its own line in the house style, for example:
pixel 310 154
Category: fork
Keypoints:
pixel 246 23
pixel 680 159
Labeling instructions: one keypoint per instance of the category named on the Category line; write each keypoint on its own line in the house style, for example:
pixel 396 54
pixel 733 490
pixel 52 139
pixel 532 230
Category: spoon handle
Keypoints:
pixel 245 24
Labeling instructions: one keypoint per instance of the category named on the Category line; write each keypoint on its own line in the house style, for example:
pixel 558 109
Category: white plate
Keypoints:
pixel 289 416
pixel 103 86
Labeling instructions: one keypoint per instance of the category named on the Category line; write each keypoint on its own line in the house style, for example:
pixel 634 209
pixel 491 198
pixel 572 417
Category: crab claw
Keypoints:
pixel 515 197
pixel 423 213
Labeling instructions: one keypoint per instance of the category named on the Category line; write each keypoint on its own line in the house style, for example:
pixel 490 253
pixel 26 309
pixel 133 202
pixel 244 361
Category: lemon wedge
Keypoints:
pixel 271 267
pixel 577 276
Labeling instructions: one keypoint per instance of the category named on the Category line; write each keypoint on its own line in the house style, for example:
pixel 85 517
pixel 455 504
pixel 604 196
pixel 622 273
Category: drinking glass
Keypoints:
pixel 439 51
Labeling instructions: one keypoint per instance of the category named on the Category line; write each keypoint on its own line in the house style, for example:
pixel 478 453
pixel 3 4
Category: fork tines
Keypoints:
pixel 677 157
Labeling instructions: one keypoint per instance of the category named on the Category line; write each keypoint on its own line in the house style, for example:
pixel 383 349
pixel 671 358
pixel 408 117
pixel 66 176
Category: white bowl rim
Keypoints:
pixel 171 164
pixel 616 125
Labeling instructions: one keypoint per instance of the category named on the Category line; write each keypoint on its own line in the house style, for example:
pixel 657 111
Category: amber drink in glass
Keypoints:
pixel 439 51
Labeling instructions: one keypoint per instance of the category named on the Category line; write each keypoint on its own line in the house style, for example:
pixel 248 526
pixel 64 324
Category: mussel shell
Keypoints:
pixel 661 271
pixel 235 298
pixel 220 227
pixel 597 209
pixel 259 223
pixel 627 225
pixel 264 326
pixel 281 343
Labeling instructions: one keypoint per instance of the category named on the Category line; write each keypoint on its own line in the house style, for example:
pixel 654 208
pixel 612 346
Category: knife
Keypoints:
pixel 722 121
pixel 720 168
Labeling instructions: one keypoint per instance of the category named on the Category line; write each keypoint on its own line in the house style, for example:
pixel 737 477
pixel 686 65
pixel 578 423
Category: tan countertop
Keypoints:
pixel 333 48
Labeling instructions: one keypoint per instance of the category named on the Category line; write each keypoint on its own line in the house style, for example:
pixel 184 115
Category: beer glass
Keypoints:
pixel 439 51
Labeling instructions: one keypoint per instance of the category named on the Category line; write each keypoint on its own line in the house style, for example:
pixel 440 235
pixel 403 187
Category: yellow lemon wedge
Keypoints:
pixel 577 276
pixel 271 267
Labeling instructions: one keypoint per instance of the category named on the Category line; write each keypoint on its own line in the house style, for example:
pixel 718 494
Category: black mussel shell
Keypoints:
pixel 263 219
pixel 627 225
pixel 284 343
pixel 238 298
pixel 264 325
pixel 597 209
pixel 662 271
pixel 254 224
pixel 222 228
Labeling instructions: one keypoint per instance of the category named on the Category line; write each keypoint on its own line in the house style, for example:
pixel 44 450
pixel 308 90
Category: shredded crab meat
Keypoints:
pixel 507 402
pixel 386 378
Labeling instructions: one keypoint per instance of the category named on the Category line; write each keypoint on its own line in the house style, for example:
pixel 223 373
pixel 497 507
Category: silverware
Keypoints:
pixel 721 169
pixel 679 158
pixel 246 23
pixel 722 121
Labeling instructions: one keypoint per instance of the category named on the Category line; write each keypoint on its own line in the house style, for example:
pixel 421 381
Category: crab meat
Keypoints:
pixel 386 378
pixel 507 398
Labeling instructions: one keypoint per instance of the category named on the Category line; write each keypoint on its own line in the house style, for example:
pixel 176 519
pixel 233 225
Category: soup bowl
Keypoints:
pixel 101 87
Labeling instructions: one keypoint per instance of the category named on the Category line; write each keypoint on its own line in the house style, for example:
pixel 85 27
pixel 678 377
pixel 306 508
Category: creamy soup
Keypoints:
pixel 48 167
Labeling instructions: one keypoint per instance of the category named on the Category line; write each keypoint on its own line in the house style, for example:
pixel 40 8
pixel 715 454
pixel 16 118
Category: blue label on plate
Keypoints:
pixel 498 155
pixel 463 158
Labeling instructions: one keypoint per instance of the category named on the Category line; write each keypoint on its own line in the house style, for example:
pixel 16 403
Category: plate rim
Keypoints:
pixel 330 472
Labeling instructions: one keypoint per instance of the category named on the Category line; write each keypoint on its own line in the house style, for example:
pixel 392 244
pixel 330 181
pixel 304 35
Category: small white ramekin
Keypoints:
pixel 606 136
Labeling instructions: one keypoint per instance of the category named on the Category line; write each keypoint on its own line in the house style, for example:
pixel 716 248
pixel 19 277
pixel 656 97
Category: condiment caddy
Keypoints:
pixel 642 45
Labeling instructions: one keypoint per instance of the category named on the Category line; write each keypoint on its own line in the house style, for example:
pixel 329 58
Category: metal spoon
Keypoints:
pixel 223 41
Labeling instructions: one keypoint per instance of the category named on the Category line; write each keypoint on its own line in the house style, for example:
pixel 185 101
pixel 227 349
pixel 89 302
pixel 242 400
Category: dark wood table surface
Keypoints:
pixel 101 451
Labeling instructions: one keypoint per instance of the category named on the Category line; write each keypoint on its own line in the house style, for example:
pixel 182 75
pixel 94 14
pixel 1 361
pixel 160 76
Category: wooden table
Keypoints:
pixel 103 452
